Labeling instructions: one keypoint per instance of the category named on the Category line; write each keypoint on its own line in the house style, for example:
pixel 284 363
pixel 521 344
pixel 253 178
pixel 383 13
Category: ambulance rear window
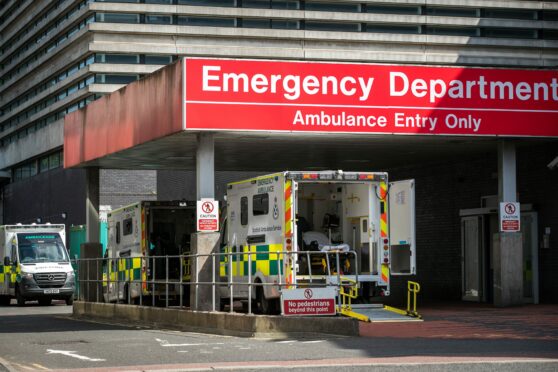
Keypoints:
pixel 260 204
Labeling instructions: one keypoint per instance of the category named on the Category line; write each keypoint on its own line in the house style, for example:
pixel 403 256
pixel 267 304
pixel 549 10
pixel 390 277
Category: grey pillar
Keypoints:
pixel 92 205
pixel 508 247
pixel 201 295
pixel 205 166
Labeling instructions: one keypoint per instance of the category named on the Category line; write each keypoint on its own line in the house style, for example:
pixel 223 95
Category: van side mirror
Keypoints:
pixel 7 261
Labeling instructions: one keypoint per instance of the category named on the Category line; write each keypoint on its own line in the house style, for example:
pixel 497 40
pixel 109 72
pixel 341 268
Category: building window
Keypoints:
pixel 452 31
pixel 392 9
pixel 158 19
pixel 117 58
pixel 229 3
pixel 117 17
pixel 332 6
pixel 510 13
pixel 157 60
pixel 206 21
pixel 115 79
pixel 332 26
pixel 285 24
pixel 393 29
pixel 515 33
pixel 451 12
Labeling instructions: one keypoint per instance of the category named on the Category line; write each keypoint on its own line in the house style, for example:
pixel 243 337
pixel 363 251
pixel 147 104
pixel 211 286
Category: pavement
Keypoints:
pixel 453 337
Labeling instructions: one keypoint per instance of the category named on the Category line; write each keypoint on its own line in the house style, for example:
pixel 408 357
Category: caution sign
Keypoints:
pixel 308 301
pixel 208 215
pixel 509 217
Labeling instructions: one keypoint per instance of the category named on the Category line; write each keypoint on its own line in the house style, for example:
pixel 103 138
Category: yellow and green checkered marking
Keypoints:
pixel 129 269
pixel 264 258
pixel 6 271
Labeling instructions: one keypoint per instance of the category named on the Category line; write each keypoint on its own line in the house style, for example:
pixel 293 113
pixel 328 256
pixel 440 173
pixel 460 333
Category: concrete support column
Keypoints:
pixel 201 295
pixel 92 205
pixel 205 166
pixel 508 247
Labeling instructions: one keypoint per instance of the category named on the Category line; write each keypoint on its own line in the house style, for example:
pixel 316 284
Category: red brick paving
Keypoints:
pixel 474 321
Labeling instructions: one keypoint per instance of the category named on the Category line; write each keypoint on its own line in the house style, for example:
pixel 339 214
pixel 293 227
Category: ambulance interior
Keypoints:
pixel 334 217
pixel 169 235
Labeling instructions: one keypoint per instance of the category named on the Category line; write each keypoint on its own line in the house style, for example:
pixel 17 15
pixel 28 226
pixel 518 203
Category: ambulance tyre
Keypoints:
pixel 19 298
pixel 70 300
pixel 265 306
pixel 5 300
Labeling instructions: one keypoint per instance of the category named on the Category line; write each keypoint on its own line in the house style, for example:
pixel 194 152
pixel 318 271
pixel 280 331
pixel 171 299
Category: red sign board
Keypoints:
pixel 248 95
pixel 308 301
pixel 208 215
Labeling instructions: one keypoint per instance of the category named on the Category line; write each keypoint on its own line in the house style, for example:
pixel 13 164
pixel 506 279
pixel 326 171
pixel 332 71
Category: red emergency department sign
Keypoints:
pixel 248 95
pixel 208 215
pixel 308 301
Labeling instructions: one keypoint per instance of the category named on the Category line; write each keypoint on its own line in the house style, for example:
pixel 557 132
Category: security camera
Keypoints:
pixel 553 164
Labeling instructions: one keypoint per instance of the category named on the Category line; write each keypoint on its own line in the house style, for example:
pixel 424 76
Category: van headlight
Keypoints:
pixel 25 275
pixel 70 277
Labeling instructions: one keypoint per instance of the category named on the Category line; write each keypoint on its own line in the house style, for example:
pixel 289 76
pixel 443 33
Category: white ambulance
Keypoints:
pixel 35 264
pixel 359 217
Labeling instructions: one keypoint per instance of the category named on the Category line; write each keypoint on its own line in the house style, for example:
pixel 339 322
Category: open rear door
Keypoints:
pixel 402 227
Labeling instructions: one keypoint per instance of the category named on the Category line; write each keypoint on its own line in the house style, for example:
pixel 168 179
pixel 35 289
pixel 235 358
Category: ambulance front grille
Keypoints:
pixel 50 280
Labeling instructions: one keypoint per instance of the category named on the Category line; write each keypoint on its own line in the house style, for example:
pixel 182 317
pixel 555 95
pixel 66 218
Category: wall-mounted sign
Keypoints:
pixel 288 96
pixel 509 217
pixel 308 301
pixel 207 215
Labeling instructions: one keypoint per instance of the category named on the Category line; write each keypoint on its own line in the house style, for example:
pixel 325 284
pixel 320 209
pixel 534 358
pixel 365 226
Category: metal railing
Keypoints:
pixel 231 276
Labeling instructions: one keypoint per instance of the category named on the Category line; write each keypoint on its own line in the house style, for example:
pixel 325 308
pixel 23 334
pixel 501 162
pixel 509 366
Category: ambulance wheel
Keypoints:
pixel 19 298
pixel 5 300
pixel 265 306
pixel 70 301
pixel 45 301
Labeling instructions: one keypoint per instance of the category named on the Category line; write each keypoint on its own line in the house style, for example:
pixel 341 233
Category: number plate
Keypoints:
pixel 51 291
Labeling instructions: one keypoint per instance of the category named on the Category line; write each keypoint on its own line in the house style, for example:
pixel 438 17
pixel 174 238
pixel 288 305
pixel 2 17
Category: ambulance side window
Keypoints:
pixel 260 204
pixel 128 227
pixel 117 233
pixel 244 211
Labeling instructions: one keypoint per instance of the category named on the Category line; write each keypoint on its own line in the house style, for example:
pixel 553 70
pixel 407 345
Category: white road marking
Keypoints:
pixel 39 366
pixel 165 343
pixel 73 355
pixel 312 342
pixel 286 341
pixel 182 351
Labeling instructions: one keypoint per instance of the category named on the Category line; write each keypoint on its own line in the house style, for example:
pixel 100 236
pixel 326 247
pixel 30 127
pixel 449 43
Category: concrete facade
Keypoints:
pixel 40 110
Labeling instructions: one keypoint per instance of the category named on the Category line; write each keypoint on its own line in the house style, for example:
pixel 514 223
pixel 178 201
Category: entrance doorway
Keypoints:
pixel 478 227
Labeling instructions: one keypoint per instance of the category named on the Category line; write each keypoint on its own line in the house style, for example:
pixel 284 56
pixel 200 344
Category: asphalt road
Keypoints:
pixel 40 338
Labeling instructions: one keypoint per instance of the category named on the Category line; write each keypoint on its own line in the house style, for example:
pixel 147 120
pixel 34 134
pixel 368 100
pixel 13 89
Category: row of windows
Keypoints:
pixel 47 84
pixel 41 165
pixel 515 33
pixel 98 58
pixel 41 123
pixel 41 37
pixel 61 94
pixel 15 6
pixel 33 25
pixel 340 6
pixel 21 66
pixel 47 102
